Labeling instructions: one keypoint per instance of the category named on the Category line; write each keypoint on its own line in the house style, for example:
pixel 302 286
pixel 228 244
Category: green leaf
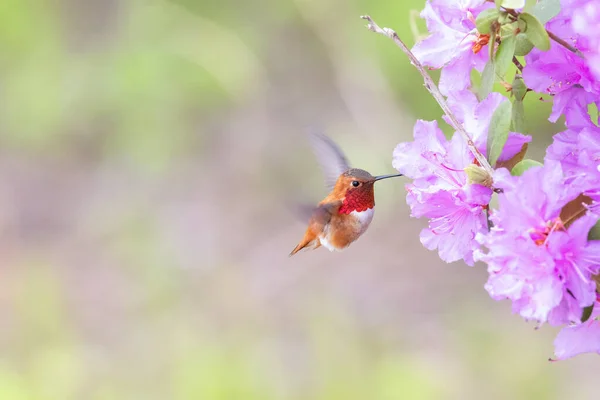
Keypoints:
pixel 508 28
pixel 505 18
pixel 518 91
pixel 594 233
pixel 485 19
pixel 592 110
pixel 498 131
pixel 518 88
pixel 512 4
pixel 517 122
pixel 536 32
pixel 523 45
pixel 545 10
pixel 487 80
pixel 587 312
pixel 524 165
pixel 504 55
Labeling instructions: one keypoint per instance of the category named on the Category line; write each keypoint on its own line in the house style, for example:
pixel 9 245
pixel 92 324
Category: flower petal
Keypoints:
pixel 580 338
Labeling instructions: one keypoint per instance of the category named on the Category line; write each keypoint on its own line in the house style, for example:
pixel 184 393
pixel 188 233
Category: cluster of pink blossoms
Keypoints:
pixel 540 242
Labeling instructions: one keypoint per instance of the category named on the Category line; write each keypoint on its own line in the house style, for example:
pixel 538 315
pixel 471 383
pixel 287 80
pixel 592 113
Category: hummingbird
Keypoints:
pixel 345 214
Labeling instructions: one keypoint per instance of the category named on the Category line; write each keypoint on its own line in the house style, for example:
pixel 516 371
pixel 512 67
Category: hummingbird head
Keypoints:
pixel 355 186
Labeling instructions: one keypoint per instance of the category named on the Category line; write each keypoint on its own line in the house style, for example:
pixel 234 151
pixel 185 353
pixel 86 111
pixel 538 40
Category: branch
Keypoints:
pixel 517 63
pixel 564 44
pixel 433 89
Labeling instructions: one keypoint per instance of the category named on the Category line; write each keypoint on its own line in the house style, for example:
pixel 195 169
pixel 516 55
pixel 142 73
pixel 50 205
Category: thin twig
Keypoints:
pixel 517 63
pixel 433 89
pixel 563 43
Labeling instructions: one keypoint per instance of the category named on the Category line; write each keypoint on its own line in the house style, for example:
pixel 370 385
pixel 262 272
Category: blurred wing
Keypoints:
pixel 304 211
pixel 320 214
pixel 331 158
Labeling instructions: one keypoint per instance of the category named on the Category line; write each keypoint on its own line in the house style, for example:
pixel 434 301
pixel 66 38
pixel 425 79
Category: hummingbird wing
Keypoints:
pixel 321 214
pixel 332 160
pixel 303 211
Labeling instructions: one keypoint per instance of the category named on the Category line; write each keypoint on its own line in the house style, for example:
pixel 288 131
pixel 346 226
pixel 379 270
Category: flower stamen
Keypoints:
pixel 541 234
pixel 482 40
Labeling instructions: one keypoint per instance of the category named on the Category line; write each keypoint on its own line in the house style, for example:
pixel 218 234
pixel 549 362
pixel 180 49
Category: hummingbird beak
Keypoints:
pixel 380 177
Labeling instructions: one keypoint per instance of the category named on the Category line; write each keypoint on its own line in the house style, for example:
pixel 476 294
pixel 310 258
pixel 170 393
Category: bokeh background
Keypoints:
pixel 150 155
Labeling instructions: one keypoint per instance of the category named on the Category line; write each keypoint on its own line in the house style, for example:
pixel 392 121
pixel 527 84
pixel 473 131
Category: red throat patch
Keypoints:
pixel 359 200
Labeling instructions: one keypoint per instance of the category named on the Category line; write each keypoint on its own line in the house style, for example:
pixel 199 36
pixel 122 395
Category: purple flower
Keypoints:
pixel 562 73
pixel 454 44
pixel 585 22
pixel 440 191
pixel 578 151
pixel 542 263
pixel 455 217
pixel 412 158
pixel 579 338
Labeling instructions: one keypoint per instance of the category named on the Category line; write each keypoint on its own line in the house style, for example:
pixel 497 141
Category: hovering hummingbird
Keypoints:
pixel 345 214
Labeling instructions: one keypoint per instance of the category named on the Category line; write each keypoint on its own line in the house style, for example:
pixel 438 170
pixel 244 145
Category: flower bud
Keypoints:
pixel 476 174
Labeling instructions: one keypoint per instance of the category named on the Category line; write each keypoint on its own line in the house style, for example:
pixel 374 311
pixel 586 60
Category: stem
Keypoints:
pixel 433 89
pixel 564 44
pixel 517 63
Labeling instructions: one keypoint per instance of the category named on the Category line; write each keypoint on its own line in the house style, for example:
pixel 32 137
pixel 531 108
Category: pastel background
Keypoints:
pixel 150 154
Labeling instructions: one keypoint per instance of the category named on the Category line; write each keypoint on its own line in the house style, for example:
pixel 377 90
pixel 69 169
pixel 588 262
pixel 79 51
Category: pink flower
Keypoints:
pixel 440 192
pixel 454 44
pixel 578 151
pixel 562 73
pixel 579 338
pixel 585 22
pixel 455 217
pixel 533 259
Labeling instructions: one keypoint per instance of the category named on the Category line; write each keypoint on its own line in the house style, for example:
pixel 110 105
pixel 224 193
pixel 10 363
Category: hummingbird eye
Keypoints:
pixel 355 183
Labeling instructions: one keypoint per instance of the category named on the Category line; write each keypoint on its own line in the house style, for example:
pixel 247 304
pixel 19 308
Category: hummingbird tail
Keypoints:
pixel 296 249
pixel 312 244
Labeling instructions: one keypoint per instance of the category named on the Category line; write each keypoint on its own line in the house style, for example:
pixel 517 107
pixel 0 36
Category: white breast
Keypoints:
pixel 364 218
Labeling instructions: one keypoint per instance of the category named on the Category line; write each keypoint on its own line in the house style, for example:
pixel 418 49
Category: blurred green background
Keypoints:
pixel 150 153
